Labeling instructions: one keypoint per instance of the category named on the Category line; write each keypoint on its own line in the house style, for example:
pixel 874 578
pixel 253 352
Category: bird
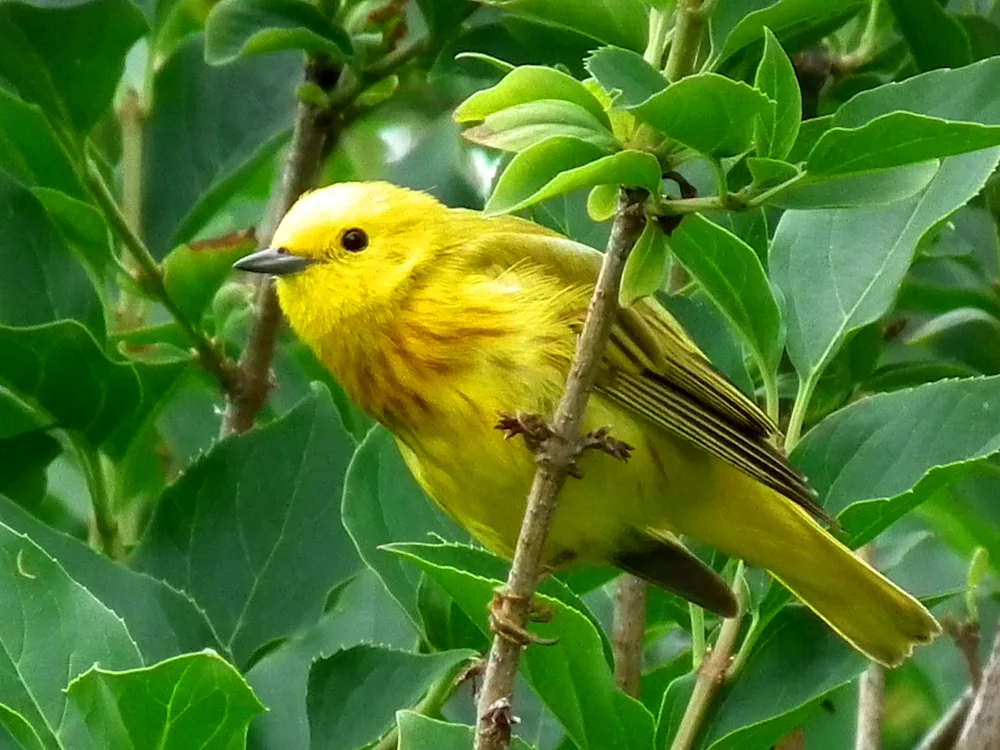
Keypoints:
pixel 444 323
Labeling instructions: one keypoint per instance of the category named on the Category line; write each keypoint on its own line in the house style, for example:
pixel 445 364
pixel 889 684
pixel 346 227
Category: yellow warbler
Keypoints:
pixel 435 321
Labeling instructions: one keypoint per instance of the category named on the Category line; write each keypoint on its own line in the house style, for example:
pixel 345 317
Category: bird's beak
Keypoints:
pixel 274 262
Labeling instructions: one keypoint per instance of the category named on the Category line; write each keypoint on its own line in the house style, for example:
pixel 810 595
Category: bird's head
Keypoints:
pixel 345 253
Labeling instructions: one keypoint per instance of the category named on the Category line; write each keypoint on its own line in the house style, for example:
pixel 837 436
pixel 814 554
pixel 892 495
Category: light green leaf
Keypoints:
pixel 626 75
pixel 529 83
pixel 195 700
pixel 561 165
pixel 194 273
pixel 862 189
pixel 935 37
pixel 829 288
pixel 240 28
pixel 646 266
pixel 621 22
pixel 418 732
pixel 778 126
pixel 732 276
pixel 523 125
pixel 706 112
pixel 380 679
pixel 602 201
pixel 18 731
pixel 263 541
pixel 770 172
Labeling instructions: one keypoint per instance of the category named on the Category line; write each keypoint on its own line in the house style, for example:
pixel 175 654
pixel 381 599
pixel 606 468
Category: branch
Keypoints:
pixel 688 33
pixel 629 629
pixel 982 727
pixel 555 458
pixel 871 691
pixel 944 734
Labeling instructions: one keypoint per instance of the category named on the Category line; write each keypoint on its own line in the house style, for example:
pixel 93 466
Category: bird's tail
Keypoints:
pixel 863 606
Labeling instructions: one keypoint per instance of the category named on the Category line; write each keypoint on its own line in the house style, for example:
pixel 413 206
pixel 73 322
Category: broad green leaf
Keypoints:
pixel 706 112
pixel 829 287
pixel 529 83
pixel 211 126
pixel 382 505
pixel 51 630
pixel 672 707
pixel 41 281
pixel 30 151
pixel 646 266
pixel 24 458
pixel 561 165
pixel 934 431
pixel 572 678
pixel 625 75
pixel 767 173
pixel 162 621
pixel 195 700
pixel 17 732
pixel 68 57
pixel 262 542
pixel 861 189
pixel 810 131
pixel 949 321
pixel 521 126
pixel 240 28
pixel 984 36
pixel 622 22
pixel 60 369
pixel 752 713
pixel 361 612
pixel 935 37
pixel 193 273
pixel 896 139
pixel 418 732
pixel 380 679
pixel 737 24
pixel 82 226
pixel 443 17
pixel 732 276
pixel 778 126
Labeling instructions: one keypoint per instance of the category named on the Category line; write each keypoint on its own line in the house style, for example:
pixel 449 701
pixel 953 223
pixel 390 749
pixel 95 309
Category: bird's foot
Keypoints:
pixel 536 432
pixel 503 626
pixel 532 427
pixel 602 440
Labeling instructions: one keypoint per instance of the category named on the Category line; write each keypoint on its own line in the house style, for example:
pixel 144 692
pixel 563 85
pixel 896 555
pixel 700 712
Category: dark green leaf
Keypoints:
pixel 829 288
pixel 675 700
pixel 382 505
pixel 380 679
pixel 30 151
pixel 622 22
pixel 240 28
pixel 523 125
pixel 261 542
pixel 626 75
pixel 417 732
pixel 194 273
pixel 443 16
pixel 646 266
pixel 17 732
pixel 82 226
pixel 60 368
pixel 706 112
pixel 194 700
pixel 51 629
pixel 779 124
pixel 209 129
pixel 984 36
pixel 935 37
pixel 68 57
pixel 563 164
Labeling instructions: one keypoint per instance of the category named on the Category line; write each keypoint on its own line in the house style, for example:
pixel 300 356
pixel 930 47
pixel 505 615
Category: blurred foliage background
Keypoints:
pixel 142 145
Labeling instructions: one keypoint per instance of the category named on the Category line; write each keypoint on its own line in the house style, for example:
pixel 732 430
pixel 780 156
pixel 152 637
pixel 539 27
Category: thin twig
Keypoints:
pixel 688 33
pixel 555 458
pixel 982 727
pixel 871 691
pixel 628 631
pixel 944 734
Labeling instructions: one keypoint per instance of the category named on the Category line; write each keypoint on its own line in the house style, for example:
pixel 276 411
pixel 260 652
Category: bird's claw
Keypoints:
pixel 503 626
pixel 536 432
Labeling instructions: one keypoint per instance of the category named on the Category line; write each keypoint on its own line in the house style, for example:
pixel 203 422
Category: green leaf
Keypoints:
pixel 61 369
pixel 732 276
pixel 896 139
pixel 241 28
pixel 521 126
pixel 82 226
pixel 194 700
pixel 622 22
pixel 935 37
pixel 211 126
pixel 262 542
pixel 194 273
pixel 41 280
pixel 51 629
pixel 778 126
pixel 444 16
pixel 829 288
pixel 672 707
pixel 707 112
pixel 861 189
pixel 18 733
pixel 572 677
pixel 602 202
pixel 737 25
pixel 382 505
pixel 646 266
pixel 936 431
pixel 30 151
pixel 162 621
pixel 561 165
pixel 380 679
pixel 626 75
pixel 529 83
pixel 24 459
pixel 418 732
pixel 68 57
pixel 810 131
pixel 770 172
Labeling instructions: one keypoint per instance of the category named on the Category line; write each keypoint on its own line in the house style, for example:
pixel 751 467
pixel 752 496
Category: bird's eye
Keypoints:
pixel 282 251
pixel 354 240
